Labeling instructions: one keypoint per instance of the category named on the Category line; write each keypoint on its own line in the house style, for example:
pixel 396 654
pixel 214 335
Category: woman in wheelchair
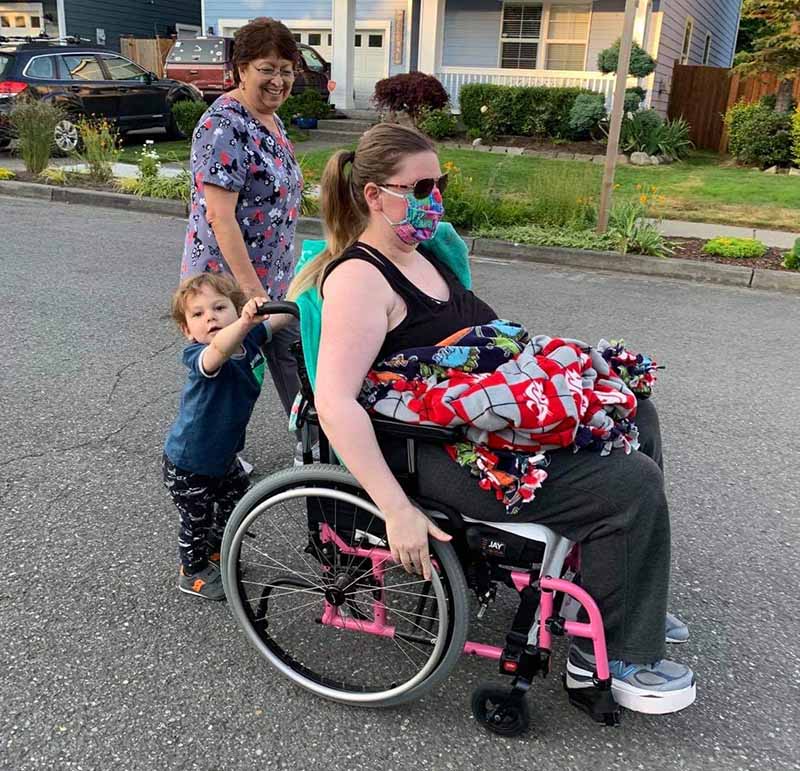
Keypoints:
pixel 385 292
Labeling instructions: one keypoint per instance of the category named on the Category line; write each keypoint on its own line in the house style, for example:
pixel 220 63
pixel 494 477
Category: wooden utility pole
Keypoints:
pixel 617 112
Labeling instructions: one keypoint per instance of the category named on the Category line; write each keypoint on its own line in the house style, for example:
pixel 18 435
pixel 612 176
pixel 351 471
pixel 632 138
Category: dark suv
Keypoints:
pixel 205 62
pixel 86 80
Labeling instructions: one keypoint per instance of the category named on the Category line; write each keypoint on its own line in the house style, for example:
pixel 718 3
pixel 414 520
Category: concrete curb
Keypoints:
pixel 311 227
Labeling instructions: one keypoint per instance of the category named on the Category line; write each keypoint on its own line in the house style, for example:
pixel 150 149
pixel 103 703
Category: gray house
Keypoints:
pixel 101 21
pixel 516 42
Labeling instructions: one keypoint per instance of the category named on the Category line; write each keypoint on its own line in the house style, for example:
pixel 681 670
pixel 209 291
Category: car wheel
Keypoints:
pixel 66 136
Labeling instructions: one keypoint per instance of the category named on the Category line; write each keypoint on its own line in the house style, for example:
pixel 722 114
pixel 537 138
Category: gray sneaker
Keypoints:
pixel 206 583
pixel 656 689
pixel 676 630
pixel 298 453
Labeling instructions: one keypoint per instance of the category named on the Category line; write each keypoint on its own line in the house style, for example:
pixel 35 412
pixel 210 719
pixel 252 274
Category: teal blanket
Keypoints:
pixel 448 247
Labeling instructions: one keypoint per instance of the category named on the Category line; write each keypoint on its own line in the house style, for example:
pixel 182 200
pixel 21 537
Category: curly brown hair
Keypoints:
pixel 221 283
pixel 260 38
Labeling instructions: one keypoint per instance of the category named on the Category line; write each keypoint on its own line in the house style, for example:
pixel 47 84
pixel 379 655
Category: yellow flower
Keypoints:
pixel 643 199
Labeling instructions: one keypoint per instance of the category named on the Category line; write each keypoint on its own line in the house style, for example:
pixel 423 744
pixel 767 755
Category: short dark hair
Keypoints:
pixel 260 38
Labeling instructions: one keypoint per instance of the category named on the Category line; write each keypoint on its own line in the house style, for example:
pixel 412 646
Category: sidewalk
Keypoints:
pixel 679 229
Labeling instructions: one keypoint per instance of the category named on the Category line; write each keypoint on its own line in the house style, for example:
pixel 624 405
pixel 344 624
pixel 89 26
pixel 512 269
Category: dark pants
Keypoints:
pixel 204 504
pixel 614 506
pixel 282 365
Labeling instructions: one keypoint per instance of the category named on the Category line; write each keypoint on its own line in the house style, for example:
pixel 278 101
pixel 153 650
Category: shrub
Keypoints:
pixel 735 247
pixel 172 188
pixel 54 175
pixel 673 138
pixel 187 115
pixel 6 174
pixel 759 136
pixel 101 147
pixel 796 136
pixel 631 222
pixel 307 104
pixel 34 122
pixel 410 92
pixel 491 110
pixel 587 112
pixel 640 132
pixel 437 124
pixel 791 260
pixel 642 64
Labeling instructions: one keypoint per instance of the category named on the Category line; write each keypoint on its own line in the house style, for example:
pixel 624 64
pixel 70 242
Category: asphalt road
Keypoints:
pixel 105 665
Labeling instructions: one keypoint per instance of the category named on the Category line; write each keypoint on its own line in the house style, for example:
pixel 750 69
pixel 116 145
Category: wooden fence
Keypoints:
pixel 703 95
pixel 150 53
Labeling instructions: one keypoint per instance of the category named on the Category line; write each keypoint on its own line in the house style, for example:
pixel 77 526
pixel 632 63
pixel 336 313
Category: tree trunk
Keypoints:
pixel 783 103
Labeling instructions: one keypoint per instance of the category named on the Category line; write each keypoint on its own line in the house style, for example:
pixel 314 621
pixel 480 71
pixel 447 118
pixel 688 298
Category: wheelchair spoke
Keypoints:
pixel 281 565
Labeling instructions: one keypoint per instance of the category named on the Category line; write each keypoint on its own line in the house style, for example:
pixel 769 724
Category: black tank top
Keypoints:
pixel 428 321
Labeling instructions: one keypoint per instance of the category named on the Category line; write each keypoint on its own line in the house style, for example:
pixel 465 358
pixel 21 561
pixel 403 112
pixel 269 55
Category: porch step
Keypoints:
pixel 345 137
pixel 368 115
pixel 345 125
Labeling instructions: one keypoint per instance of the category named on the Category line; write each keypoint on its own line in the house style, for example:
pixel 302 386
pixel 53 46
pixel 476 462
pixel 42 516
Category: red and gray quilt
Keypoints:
pixel 515 397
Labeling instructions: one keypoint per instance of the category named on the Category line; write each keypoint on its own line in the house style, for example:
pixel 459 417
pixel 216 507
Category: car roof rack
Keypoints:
pixel 43 38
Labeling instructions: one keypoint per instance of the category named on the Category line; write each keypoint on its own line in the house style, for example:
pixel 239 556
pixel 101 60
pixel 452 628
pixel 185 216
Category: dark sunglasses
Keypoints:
pixel 423 187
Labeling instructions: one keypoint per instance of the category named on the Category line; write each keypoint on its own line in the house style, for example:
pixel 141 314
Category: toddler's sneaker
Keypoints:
pixel 676 630
pixel 214 559
pixel 206 583
pixel 655 689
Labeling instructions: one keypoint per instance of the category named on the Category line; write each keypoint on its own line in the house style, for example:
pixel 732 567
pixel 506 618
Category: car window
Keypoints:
pixel 121 69
pixel 313 60
pixel 5 63
pixel 43 67
pixel 81 67
pixel 197 52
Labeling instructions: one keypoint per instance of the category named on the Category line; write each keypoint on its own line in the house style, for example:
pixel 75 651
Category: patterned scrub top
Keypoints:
pixel 235 151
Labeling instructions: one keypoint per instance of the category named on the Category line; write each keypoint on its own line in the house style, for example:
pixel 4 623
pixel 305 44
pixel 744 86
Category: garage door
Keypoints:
pixel 370 61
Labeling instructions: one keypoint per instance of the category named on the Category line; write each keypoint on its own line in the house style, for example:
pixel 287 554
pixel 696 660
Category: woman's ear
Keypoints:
pixel 372 195
pixel 242 69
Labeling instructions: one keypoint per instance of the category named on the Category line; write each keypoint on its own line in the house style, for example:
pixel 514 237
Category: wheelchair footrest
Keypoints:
pixel 597 701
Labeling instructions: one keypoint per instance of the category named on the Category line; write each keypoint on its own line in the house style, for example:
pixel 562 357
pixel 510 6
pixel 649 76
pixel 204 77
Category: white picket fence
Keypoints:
pixel 453 78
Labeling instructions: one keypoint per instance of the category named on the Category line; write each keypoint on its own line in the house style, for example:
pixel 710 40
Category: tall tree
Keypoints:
pixel 776 47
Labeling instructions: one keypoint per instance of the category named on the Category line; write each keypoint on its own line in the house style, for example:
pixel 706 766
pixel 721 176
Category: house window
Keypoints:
pixel 330 40
pixel 36 22
pixel 686 50
pixel 298 37
pixel 5 21
pixel 375 41
pixel 567 35
pixel 520 35
pixel 314 38
pixel 20 21
pixel 357 41
pixel 707 49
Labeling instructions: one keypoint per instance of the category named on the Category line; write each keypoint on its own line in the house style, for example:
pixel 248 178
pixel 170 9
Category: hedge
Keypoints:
pixel 518 110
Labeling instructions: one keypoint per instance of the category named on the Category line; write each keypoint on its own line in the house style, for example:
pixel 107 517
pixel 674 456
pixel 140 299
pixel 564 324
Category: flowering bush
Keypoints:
pixel 101 147
pixel 6 173
pixel 631 223
pixel 735 247
pixel 149 160
pixel 410 92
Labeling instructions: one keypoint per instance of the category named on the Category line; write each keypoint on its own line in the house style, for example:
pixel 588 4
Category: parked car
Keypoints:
pixel 205 62
pixel 87 81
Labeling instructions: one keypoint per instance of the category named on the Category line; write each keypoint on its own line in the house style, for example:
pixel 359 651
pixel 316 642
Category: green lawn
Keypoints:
pixel 701 189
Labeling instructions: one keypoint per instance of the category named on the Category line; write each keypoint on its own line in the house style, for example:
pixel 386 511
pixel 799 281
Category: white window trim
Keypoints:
pixel 543 40
pixel 191 28
pixel 384 25
pixel 686 46
pixel 707 48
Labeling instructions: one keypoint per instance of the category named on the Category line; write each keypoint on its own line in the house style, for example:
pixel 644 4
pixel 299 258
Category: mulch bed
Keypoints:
pixel 692 249
pixel 530 143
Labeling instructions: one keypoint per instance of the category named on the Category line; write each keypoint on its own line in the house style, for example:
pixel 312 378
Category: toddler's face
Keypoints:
pixel 207 312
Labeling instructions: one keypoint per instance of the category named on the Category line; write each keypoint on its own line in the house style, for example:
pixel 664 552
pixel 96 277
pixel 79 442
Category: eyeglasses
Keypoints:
pixel 270 73
pixel 422 188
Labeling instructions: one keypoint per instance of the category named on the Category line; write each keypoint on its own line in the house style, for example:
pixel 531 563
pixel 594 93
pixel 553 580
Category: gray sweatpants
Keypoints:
pixel 282 365
pixel 614 506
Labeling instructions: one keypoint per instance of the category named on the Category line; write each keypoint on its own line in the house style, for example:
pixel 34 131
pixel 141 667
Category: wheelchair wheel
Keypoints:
pixel 310 580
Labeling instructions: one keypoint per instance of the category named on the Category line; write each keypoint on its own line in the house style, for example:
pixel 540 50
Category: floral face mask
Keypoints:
pixel 422 217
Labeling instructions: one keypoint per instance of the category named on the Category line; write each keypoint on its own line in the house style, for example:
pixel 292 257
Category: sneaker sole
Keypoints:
pixel 673 641
pixel 633 698
pixel 201 596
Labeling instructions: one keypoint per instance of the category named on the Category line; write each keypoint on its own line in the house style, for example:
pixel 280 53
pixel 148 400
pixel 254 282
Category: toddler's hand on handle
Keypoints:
pixel 408 531
pixel 250 313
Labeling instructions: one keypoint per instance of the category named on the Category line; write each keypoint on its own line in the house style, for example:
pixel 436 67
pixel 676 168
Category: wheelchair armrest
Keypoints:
pixel 437 434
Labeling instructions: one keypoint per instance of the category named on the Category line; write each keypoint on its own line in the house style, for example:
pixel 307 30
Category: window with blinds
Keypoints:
pixel 520 34
pixel 567 36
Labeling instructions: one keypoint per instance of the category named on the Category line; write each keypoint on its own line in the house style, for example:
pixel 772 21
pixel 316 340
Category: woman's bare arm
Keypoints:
pixel 354 326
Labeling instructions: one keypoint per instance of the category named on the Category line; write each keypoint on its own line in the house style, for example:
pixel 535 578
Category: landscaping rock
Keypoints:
pixel 602 158
pixel 476 142
pixel 771 170
pixel 640 159
pixel 794 172
pixel 655 160
pixel 623 160
pixel 585 157
pixel 565 156
pixel 539 154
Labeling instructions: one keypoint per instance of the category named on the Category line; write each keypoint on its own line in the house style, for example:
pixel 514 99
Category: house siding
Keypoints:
pixel 472 31
pixel 313 10
pixel 133 17
pixel 719 17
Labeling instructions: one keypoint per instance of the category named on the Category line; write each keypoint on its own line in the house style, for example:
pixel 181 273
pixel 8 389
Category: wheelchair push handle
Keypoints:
pixel 283 306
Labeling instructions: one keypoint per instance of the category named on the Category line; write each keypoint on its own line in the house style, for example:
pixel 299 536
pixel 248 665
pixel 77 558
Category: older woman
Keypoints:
pixel 246 184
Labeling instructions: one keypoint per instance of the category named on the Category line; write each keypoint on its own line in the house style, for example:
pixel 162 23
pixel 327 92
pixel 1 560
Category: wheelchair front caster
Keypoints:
pixel 501 711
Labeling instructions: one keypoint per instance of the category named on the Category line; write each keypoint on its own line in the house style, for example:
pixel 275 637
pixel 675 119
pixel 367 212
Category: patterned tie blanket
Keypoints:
pixel 515 396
